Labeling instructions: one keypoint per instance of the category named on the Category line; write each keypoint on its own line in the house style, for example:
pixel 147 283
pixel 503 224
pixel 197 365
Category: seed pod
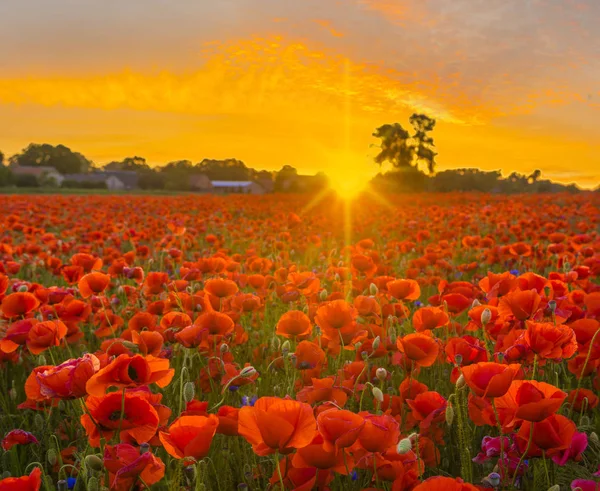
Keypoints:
pixel 323 295
pixel 189 391
pixel 458 359
pixel 381 374
pixel 373 290
pixel 94 463
pixel 224 348
pixel 460 383
pixel 144 448
pixel 552 306
pixel 22 288
pixel 594 438
pixel 476 303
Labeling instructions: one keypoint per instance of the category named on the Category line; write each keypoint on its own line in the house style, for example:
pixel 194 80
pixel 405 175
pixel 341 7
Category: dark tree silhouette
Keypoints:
pixel 423 146
pixel 395 146
pixel 1 158
pixel 62 158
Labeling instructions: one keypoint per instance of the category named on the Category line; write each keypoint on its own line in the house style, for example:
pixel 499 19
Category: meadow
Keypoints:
pixel 420 342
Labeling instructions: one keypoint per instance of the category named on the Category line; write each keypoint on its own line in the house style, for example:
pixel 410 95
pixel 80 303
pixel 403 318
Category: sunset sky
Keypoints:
pixel 513 84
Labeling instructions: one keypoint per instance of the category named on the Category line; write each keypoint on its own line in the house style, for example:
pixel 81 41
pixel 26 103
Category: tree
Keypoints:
pixel 137 164
pixel 423 146
pixel 402 150
pixel 6 176
pixel 62 158
pixel 225 170
pixel 395 146
pixel 1 158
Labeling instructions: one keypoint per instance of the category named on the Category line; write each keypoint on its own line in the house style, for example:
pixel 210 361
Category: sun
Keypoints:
pixel 348 186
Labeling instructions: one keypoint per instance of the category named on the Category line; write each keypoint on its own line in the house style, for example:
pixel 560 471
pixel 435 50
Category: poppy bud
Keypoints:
pixel 556 487
pixel 377 394
pixel 476 303
pixel 242 486
pixel 360 320
pixel 275 343
pixel 594 438
pixel 52 456
pixel 22 288
pixel 567 266
pixel 92 484
pixel 285 347
pixel 392 334
pixel 12 393
pixel 337 277
pixel 38 422
pixel 224 348
pixel 129 345
pixel 42 360
pixel 376 343
pixel 500 357
pixel 62 485
pixel 449 414
pixel 144 448
pixel 404 446
pixel 552 306
pixel 188 391
pixel 373 290
pixel 363 354
pixel 584 421
pixel 486 316
pixel 5 474
pixel 458 359
pixel 494 479
pixel 323 295
pixel 381 374
pixel 248 372
pixel 94 462
pixel 460 383
pixel 293 359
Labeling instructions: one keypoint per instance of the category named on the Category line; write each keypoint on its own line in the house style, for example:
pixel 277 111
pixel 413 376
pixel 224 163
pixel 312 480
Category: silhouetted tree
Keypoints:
pixel 129 164
pixel 395 146
pixel 1 158
pixel 6 176
pixel 423 146
pixel 62 158
pixel 225 170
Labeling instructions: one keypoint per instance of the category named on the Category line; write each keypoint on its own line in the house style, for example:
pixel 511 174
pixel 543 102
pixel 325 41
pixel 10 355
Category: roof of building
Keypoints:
pixel 231 184
pixel 33 170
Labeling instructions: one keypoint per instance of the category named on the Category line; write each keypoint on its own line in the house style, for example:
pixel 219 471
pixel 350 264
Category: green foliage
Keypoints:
pixel 26 181
pixel 62 158
pixel 84 185
pixel 1 158
pixel 6 176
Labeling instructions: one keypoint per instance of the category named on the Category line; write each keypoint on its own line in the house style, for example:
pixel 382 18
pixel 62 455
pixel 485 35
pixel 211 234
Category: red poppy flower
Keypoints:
pixel 550 436
pixel 45 334
pixel 522 304
pixel 32 482
pixel 130 371
pixel 277 425
pixel 530 400
pixel 421 349
pixel 441 483
pixel 404 289
pixel 294 324
pixel 379 433
pixel 339 428
pixel 489 379
pixel 139 423
pixel 19 304
pixel 126 465
pixel 67 380
pixel 551 341
pixel 190 436
pixel 17 437
pixel 93 284
pixel 429 318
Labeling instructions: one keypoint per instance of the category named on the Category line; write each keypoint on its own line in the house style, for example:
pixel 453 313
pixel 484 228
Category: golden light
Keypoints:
pixel 348 186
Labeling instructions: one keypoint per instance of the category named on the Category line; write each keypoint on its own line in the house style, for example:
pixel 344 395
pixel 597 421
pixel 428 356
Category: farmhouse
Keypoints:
pixel 42 174
pixel 239 187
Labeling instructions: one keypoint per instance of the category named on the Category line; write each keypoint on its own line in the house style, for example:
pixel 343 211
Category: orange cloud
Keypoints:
pixel 326 24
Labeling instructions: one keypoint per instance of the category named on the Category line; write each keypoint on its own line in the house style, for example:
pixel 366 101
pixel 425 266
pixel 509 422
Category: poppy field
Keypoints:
pixel 421 342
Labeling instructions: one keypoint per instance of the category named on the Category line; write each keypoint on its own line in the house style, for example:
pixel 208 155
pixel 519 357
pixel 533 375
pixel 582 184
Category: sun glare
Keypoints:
pixel 348 186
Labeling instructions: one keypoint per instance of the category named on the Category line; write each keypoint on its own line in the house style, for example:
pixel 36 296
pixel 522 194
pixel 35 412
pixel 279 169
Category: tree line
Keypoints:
pixel 410 156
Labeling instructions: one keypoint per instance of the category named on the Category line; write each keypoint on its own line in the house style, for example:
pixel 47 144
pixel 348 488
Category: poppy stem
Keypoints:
pixel 583 368
pixel 535 364
pixel 546 468
pixel 279 471
pixel 499 426
pixel 523 455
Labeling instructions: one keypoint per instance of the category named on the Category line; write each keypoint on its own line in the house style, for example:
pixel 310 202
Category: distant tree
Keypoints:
pixel 225 170
pixel 137 164
pixel 62 158
pixel 6 176
pixel 534 176
pixel 26 181
pixel 176 175
pixel 148 177
pixel 1 158
pixel 395 146
pixel 403 150
pixel 286 180
pixel 423 146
